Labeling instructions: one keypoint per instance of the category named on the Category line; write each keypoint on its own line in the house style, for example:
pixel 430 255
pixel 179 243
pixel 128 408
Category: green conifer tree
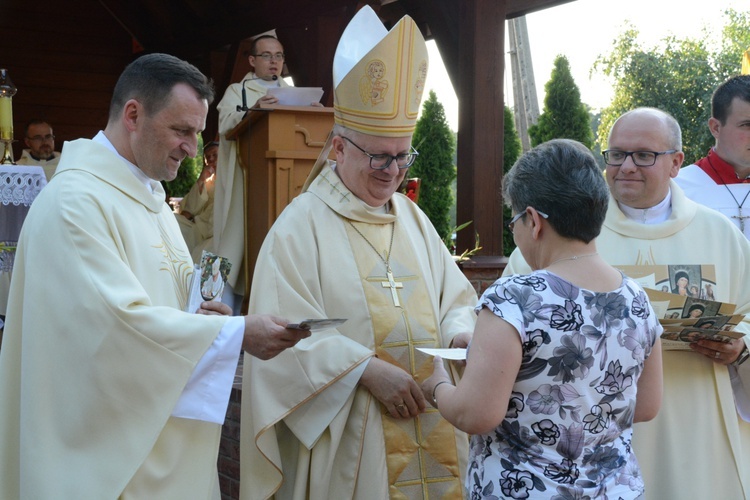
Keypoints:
pixel 434 166
pixel 564 115
pixel 190 169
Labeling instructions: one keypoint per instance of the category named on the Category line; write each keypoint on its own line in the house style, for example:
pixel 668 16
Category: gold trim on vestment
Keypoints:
pixel 421 453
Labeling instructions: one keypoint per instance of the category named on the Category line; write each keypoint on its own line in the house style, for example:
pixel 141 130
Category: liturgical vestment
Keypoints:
pixel 97 350
pixel 48 165
pixel 229 208
pixel 698 446
pixel 305 422
pixel 730 199
pixel 199 232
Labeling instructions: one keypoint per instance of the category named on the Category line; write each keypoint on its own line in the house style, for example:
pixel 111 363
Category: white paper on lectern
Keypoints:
pixel 454 353
pixel 296 96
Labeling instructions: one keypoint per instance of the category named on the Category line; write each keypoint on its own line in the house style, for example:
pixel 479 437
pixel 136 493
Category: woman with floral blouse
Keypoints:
pixel 563 360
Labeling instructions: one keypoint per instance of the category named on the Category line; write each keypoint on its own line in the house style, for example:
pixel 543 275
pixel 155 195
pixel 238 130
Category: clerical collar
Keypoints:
pixel 718 170
pixel 51 157
pixel 146 180
pixel 267 83
pixel 654 215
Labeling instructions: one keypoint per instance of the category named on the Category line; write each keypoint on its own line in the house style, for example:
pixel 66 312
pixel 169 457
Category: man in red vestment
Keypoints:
pixel 721 180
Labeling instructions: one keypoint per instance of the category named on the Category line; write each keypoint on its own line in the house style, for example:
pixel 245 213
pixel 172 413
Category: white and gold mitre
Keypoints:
pixel 379 76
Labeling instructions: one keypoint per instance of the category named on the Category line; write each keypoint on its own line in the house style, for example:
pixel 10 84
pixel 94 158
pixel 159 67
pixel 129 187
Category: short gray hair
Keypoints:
pixel 561 179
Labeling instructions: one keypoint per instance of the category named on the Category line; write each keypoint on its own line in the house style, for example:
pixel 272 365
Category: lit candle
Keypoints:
pixel 6 119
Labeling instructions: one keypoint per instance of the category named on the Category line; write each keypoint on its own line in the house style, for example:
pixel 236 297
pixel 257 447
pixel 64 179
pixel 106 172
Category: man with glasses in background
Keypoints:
pixel 343 416
pixel 699 444
pixel 267 62
pixel 41 147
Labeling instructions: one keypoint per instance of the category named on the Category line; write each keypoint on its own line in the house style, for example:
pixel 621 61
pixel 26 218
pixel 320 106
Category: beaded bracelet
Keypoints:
pixel 434 400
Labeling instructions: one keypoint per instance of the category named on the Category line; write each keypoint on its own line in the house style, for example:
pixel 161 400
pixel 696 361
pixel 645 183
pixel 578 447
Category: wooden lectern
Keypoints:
pixel 277 147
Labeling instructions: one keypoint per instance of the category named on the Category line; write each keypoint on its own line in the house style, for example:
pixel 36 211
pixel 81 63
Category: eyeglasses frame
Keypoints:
pixel 42 138
pixel 268 57
pixel 512 222
pixel 656 154
pixel 414 153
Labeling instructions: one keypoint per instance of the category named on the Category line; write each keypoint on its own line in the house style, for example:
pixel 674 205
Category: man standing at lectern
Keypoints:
pixel 267 61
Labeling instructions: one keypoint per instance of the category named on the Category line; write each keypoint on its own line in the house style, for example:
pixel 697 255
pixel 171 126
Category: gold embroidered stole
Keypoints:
pixel 421 453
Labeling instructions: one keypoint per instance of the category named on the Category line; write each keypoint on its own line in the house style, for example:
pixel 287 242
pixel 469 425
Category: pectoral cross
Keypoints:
pixel 741 219
pixel 393 285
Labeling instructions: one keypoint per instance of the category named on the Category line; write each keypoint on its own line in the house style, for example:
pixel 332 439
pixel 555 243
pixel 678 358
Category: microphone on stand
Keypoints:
pixel 244 93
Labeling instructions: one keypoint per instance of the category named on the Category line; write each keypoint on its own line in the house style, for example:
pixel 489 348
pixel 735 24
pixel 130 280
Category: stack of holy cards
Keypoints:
pixel 687 319
pixel 209 279
pixel 690 312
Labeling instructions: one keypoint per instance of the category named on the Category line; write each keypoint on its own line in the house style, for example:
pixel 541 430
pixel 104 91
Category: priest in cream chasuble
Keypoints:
pixel 109 389
pixel 313 426
pixel 92 372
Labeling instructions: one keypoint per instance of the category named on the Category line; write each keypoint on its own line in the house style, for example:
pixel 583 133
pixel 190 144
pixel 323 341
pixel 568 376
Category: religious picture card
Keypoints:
pixel 679 337
pixel 686 320
pixel 317 324
pixel 686 280
pixel 682 297
pixel 209 279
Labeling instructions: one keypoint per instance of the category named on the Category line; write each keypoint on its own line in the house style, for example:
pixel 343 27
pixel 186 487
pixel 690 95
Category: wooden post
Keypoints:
pixel 480 125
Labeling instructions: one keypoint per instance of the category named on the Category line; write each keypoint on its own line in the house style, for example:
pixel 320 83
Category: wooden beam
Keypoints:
pixel 480 124
pixel 516 8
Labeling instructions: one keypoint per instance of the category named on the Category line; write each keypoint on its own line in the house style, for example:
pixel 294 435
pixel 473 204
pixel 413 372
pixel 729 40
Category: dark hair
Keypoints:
pixel 562 179
pixel 151 78
pixel 35 121
pixel 737 86
pixel 254 45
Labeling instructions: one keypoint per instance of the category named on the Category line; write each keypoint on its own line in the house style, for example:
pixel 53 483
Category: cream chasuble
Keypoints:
pixel 698 447
pixel 229 209
pixel 93 364
pixel 325 257
pixel 420 453
pixel 49 166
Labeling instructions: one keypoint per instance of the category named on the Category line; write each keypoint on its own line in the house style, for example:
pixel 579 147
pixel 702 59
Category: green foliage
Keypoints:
pixel 451 244
pixel 190 169
pixel 676 75
pixel 511 152
pixel 564 116
pixel 435 165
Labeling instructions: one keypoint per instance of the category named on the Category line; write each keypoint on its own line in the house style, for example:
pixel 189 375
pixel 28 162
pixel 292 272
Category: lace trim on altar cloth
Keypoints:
pixel 18 187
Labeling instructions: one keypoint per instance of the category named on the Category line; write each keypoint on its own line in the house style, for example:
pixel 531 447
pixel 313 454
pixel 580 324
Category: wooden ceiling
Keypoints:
pixel 65 58
pixel 65 63
pixel 188 27
pixel 196 29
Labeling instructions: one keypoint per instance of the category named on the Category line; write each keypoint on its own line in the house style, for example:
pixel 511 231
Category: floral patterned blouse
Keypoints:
pixel 568 428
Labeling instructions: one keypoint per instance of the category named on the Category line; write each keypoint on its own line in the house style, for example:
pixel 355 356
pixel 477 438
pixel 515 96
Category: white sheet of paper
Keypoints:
pixel 296 96
pixel 454 353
